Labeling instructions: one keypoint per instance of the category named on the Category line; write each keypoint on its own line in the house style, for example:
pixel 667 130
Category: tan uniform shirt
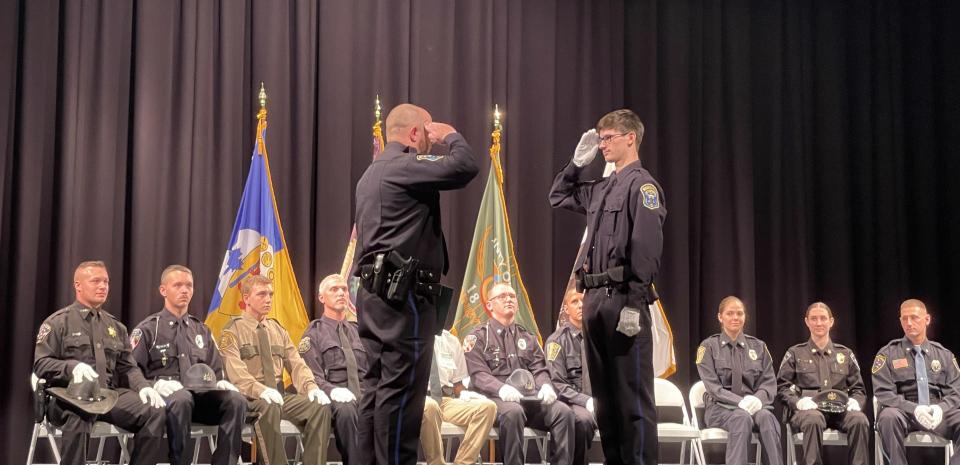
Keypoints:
pixel 240 349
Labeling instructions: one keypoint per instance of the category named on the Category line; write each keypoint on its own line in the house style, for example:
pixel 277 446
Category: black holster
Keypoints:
pixel 392 277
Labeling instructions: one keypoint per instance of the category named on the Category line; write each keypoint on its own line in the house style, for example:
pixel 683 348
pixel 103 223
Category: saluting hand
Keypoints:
pixel 438 131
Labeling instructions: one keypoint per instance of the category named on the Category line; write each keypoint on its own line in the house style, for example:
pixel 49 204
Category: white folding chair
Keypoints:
pixel 43 429
pixel 712 435
pixel 197 433
pixel 668 394
pixel 287 430
pixel 914 439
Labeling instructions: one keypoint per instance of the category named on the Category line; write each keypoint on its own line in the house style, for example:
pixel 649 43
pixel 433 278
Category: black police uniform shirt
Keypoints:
pixel 398 201
pixel 806 370
pixel 73 335
pixel 895 376
pixel 715 366
pixel 493 351
pixel 625 225
pixel 320 349
pixel 159 352
pixel 563 352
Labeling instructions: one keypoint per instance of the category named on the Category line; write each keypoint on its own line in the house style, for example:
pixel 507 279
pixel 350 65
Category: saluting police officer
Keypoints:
pixel 625 214
pixel 569 372
pixel 84 342
pixel 165 345
pixel 817 366
pixel 915 381
pixel 255 351
pixel 400 257
pixel 737 372
pixel 332 349
pixel 497 348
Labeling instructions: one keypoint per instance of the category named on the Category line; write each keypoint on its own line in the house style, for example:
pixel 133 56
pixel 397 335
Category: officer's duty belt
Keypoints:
pixel 613 277
pixel 393 268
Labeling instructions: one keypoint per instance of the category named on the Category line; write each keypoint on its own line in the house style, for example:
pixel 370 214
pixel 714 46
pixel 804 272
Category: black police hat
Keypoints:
pixel 200 378
pixel 525 383
pixel 831 401
pixel 87 395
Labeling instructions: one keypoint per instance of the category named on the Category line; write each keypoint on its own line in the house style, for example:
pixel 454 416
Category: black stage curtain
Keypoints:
pixel 804 146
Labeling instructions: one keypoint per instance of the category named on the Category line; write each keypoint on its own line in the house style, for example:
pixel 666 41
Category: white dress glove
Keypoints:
pixel 751 404
pixel 509 393
pixel 271 396
pixel 83 371
pixel 342 395
pixel 587 148
pixel 547 395
pixel 466 395
pixel 924 416
pixel 590 406
pixel 936 416
pixel 853 405
pixel 318 396
pixel 225 385
pixel 167 386
pixel 806 403
pixel 151 396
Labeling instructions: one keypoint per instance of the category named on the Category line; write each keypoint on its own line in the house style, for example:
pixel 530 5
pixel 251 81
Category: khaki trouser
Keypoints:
pixel 475 416
pixel 311 418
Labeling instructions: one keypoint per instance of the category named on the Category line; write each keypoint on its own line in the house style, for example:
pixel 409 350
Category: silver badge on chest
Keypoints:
pixel 199 340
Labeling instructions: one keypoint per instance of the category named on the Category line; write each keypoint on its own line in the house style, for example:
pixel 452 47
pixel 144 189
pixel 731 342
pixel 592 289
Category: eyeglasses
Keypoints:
pixel 609 137
pixel 505 296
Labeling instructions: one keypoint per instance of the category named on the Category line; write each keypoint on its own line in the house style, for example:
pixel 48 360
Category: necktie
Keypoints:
pixel 923 384
pixel 435 387
pixel 353 375
pixel 98 354
pixel 266 359
pixel 584 370
pixel 735 355
pixel 183 345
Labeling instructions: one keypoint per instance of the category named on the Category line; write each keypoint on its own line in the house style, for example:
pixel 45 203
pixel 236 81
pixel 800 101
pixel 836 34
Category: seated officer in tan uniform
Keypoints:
pixel 243 341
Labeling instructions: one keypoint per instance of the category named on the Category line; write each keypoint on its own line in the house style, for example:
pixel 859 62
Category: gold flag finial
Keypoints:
pixel 376 108
pixel 495 143
pixel 263 96
pixel 496 117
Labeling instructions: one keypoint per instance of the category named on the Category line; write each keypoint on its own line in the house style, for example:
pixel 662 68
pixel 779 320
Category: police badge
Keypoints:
pixel 111 331
pixel 522 344
pixel 841 358
pixel 752 354
pixel 935 366
pixel 199 340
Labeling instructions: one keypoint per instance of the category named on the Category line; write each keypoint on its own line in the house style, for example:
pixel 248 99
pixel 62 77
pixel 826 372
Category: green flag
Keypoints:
pixel 492 259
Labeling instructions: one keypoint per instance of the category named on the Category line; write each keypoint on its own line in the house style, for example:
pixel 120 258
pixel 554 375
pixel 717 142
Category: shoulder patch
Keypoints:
pixel 429 157
pixel 957 367
pixel 651 197
pixel 878 363
pixel 304 345
pixel 135 337
pixel 553 350
pixel 786 358
pixel 227 340
pixel 701 351
pixel 469 342
pixel 45 331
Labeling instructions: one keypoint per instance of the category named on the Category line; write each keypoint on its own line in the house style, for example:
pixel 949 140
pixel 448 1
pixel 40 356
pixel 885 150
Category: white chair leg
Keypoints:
pixel 124 453
pixel 33 443
pixel 99 459
pixel 759 449
pixel 53 446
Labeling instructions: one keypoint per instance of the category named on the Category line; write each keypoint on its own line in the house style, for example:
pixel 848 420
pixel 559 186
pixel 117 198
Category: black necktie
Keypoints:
pixel 353 375
pixel 737 359
pixel 266 359
pixel 183 344
pixel 584 370
pixel 98 354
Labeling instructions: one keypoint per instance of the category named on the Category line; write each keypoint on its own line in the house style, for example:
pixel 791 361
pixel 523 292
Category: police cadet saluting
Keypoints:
pixel 569 372
pixel 737 372
pixel 83 342
pixel 166 345
pixel 243 344
pixel 400 257
pixel 337 371
pixel 495 351
pixel 915 381
pixel 625 215
pixel 819 371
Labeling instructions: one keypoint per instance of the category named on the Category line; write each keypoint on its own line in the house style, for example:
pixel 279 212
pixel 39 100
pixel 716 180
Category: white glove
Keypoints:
pixel 587 148
pixel 318 396
pixel 806 403
pixel 509 393
pixel 590 405
pixel 853 405
pixel 342 395
pixel 225 385
pixel 167 386
pixel 271 396
pixel 83 371
pixel 151 396
pixel 466 395
pixel 936 416
pixel 751 404
pixel 547 395
pixel 924 416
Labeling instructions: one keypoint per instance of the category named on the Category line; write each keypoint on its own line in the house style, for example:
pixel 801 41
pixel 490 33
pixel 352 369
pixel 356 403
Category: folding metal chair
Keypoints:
pixel 914 439
pixel 712 435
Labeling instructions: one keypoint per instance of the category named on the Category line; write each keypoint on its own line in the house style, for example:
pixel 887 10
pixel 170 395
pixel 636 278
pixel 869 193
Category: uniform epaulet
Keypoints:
pixel 938 345
pixel 840 347
pixel 799 346
pixel 893 342
pixel 231 322
pixel 710 337
pixel 109 315
pixel 193 317
pixel 60 312
pixel 312 323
